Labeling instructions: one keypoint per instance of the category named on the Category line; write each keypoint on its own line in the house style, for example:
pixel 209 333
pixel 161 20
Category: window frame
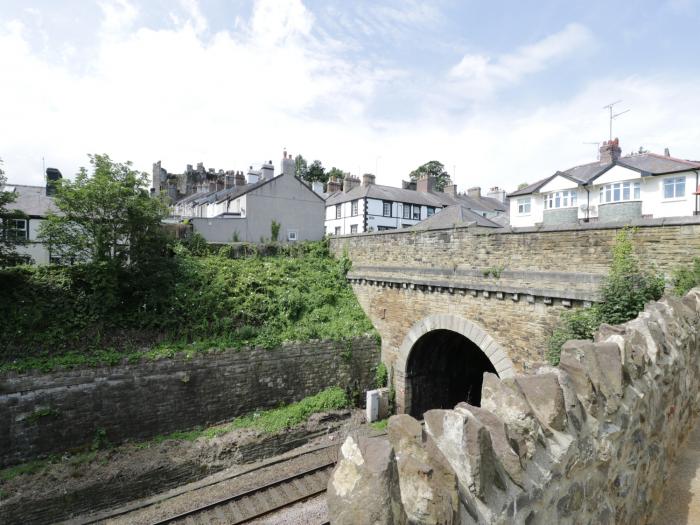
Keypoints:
pixel 354 208
pixel 339 211
pixel 353 227
pixel 607 192
pixel 522 202
pixel 416 212
pixel 674 183
pixel 430 211
pixel 562 199
pixel 384 206
pixel 12 229
pixel 338 230
pixel 406 213
pixel 293 233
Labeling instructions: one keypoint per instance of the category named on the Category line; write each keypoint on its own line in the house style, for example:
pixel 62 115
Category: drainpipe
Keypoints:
pixel 588 205
pixel 697 192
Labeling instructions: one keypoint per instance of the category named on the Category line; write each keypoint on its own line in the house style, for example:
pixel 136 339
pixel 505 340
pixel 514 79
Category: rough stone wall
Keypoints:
pixel 49 413
pixel 590 441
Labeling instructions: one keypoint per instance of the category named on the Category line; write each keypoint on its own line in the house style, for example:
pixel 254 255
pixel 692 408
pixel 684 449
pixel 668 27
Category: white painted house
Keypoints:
pixel 615 188
pixel 366 206
pixel 36 202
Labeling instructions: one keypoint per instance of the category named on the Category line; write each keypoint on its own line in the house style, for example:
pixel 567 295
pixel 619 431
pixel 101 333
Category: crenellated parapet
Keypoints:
pixel 589 441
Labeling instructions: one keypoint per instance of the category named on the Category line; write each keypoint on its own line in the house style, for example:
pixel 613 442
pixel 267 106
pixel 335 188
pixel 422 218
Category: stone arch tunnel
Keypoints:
pixel 441 363
pixel 444 368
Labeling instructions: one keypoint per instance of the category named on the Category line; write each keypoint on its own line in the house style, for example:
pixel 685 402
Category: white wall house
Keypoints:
pixel 616 188
pixel 35 202
pixel 367 207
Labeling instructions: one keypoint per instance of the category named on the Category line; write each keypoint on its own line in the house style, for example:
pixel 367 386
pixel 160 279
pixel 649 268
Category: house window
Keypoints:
pixel 386 208
pixel 620 191
pixel 524 206
pixel 674 188
pixel 431 211
pixel 385 228
pixel 337 230
pixel 337 210
pixel 353 208
pixel 292 235
pixel 353 228
pixel 416 213
pixel 560 199
pixel 406 211
pixel 17 229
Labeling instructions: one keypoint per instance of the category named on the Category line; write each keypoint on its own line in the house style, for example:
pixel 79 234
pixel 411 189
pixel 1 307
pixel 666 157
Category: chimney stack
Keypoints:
pixel 426 183
pixel 288 165
pixel 239 178
pixel 53 176
pixel 450 189
pixel 350 182
pixel 368 179
pixel 498 194
pixel 474 193
pixel 610 151
pixel 267 171
pixel 333 186
pixel 667 153
pixel 408 185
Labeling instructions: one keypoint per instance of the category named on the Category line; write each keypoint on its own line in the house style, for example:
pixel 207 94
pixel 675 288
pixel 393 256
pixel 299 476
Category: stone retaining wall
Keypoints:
pixel 43 414
pixel 589 441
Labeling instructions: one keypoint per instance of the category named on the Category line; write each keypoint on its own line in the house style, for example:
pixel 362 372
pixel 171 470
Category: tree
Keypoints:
pixel 108 216
pixel 9 240
pixel 435 169
pixel 335 173
pixel 300 167
pixel 523 185
pixel 316 172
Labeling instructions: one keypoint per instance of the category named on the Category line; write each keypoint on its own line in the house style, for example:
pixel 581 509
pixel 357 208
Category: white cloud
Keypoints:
pixel 479 75
pixel 232 99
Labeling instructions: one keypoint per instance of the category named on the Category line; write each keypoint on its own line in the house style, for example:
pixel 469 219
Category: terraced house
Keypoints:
pixel 359 207
pixel 616 188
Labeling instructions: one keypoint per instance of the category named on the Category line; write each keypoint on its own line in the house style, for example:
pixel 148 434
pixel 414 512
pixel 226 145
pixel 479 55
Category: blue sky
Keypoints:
pixel 500 92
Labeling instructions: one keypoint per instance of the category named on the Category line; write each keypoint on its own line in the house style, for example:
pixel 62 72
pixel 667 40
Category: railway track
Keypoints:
pixel 258 502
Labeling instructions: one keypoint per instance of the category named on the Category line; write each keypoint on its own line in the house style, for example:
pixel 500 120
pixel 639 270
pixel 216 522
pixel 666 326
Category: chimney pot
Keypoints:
pixel 610 151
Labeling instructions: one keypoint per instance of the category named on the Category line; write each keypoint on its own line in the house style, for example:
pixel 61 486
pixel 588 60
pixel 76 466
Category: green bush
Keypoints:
pixel 381 376
pixel 686 278
pixel 95 314
pixel 624 292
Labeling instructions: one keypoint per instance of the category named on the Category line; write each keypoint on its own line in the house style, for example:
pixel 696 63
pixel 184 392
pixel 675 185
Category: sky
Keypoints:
pixel 500 92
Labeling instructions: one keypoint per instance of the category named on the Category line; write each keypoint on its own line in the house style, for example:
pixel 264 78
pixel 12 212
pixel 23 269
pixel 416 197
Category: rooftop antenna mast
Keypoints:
pixel 613 116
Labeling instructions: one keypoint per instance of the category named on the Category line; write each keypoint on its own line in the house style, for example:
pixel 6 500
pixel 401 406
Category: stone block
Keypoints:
pixel 546 398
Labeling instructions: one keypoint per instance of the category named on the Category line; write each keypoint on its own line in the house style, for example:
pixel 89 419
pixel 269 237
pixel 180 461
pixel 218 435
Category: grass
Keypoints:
pixel 380 425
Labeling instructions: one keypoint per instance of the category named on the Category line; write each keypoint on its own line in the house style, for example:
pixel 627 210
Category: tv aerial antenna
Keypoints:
pixel 613 116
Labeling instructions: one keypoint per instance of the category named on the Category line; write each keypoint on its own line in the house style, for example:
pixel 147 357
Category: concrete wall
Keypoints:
pixel 590 441
pixel 49 413
pixel 285 199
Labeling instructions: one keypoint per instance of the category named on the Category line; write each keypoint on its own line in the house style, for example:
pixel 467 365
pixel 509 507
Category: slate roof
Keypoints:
pixel 32 200
pixel 646 163
pixel 436 199
pixel 454 215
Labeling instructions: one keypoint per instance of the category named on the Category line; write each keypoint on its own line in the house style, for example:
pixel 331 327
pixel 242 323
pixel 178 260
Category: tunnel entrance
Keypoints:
pixel 443 369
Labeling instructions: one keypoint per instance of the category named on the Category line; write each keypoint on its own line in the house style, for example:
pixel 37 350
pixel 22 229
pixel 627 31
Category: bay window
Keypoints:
pixel 620 192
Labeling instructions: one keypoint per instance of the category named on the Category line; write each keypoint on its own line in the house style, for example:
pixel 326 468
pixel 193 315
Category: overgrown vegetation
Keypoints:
pixel 625 291
pixel 380 425
pixel 92 314
pixel 686 278
pixel 381 376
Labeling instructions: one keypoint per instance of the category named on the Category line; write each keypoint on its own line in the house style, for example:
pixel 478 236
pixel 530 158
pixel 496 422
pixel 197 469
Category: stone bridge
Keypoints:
pixel 454 303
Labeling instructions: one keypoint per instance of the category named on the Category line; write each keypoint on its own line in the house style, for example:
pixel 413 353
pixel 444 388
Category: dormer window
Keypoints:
pixel 524 206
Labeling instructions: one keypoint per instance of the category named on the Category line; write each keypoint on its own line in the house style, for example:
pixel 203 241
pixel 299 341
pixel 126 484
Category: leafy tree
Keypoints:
pixel 337 174
pixel 523 185
pixel 435 169
pixel 106 216
pixel 301 168
pixel 274 230
pixel 316 173
pixel 8 239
